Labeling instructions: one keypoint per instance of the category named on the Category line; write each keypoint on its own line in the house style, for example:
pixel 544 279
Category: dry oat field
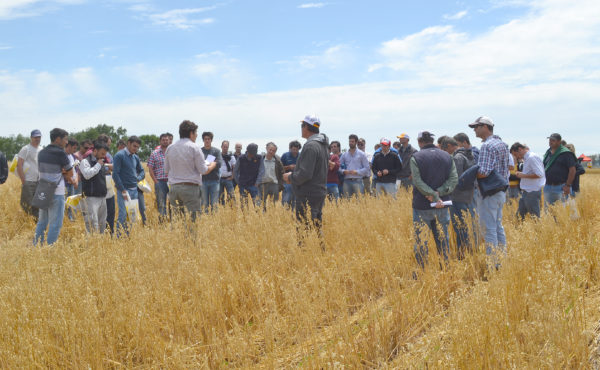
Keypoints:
pixel 243 294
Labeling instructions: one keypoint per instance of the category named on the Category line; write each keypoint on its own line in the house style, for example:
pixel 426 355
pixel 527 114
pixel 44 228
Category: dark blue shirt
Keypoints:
pixel 287 158
pixel 127 170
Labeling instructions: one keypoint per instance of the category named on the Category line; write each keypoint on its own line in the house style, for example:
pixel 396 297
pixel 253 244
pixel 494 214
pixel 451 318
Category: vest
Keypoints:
pixel 434 166
pixel 248 170
pixel 95 186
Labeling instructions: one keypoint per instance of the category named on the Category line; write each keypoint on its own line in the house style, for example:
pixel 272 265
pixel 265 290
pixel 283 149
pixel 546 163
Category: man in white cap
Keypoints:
pixel 27 170
pixel 309 177
pixel 405 152
pixel 386 165
pixel 493 156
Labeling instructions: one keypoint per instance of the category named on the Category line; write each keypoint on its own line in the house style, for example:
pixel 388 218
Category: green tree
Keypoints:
pixel 149 142
pixel 12 144
pixel 92 133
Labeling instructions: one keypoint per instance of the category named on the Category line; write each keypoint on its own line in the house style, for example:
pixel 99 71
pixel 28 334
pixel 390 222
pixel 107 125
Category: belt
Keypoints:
pixel 186 183
pixel 560 183
pixel 353 179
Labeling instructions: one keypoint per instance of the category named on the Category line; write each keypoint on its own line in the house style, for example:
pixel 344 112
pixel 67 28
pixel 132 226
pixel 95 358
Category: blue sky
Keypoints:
pixel 249 70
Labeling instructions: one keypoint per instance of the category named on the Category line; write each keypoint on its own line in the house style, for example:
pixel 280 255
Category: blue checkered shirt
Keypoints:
pixel 493 155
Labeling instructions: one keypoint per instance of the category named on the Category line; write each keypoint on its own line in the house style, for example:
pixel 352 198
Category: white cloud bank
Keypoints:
pixel 534 75
pixel 311 5
pixel 12 9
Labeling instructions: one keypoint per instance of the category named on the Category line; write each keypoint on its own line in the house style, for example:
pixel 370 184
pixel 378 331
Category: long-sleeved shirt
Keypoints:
pixel 332 174
pixel 533 165
pixel 127 170
pixel 493 155
pixel 88 171
pixel 355 161
pixel 446 188
pixel 184 162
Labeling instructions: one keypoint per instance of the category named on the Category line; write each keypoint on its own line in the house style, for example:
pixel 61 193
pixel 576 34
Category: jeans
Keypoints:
pixel 353 186
pixel 110 213
pixel 226 185
pixel 288 197
pixel 122 218
pixel 530 203
pixel 554 193
pixel 388 188
pixel 367 185
pixel 210 194
pixel 435 219
pixel 406 182
pixel 245 190
pixel 162 191
pixel 490 217
pixel 142 206
pixel 513 192
pixel 459 213
pixel 51 218
pixel 333 192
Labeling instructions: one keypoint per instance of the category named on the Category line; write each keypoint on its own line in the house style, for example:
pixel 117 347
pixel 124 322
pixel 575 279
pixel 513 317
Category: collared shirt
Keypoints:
pixel 29 154
pixel 184 162
pixel 224 172
pixel 357 161
pixel 533 165
pixel 127 170
pixel 156 164
pixel 52 160
pixel 269 175
pixel 494 156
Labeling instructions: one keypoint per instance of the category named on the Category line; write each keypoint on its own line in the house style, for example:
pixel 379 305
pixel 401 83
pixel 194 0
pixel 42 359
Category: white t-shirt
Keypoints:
pixel 29 154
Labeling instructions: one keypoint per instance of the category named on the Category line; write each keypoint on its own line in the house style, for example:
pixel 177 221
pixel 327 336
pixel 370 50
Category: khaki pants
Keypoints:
pixel 27 192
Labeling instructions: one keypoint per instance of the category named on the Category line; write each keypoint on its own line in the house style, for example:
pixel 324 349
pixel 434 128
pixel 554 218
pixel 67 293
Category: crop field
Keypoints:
pixel 240 292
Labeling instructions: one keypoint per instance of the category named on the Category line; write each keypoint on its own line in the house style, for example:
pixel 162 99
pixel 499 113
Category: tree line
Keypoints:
pixel 10 145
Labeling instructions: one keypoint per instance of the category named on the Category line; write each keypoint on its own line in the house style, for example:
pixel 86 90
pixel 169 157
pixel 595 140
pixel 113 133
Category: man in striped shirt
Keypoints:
pixel 493 156
pixel 156 165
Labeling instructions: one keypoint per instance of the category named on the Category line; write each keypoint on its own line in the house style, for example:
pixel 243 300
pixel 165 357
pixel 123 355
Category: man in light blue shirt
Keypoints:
pixel 356 166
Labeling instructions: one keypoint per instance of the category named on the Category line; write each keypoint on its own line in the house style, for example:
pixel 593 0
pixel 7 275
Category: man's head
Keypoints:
pixel 100 149
pixel 554 141
pixel 207 138
pixel 238 148
pixel 425 138
pixel 352 140
pixel 164 141
pixel 396 145
pixel 59 137
pixel 133 144
pixel 295 147
pixel 483 127
pixel 251 150
pixel 571 147
pixel 72 146
pixel 463 140
pixel 85 145
pixel 225 147
pixel 309 126
pixel 35 138
pixel 361 144
pixel 188 130
pixel 334 147
pixel 518 150
pixel 271 150
pixel 120 144
pixel 105 139
pixel 440 139
pixel 170 135
pixel 449 145
pixel 385 145
pixel 404 138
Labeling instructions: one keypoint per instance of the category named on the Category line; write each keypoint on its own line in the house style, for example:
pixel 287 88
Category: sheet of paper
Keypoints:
pixel 446 203
pixel 210 158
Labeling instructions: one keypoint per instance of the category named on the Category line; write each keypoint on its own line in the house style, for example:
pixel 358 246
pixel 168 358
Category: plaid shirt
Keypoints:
pixel 156 164
pixel 493 155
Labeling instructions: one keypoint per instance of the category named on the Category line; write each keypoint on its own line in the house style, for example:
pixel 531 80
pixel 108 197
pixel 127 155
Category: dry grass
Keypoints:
pixel 245 295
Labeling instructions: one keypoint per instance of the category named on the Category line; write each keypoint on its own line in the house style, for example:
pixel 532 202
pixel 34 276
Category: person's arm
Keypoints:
pixel 88 171
pixel 570 179
pixel 20 162
pixel 485 162
pixel 236 172
pixel 396 167
pixel 139 169
pixel 336 163
pixel 418 183
pixel 200 162
pixel 261 172
pixel 450 183
pixel 365 169
pixel 150 164
pixel 304 171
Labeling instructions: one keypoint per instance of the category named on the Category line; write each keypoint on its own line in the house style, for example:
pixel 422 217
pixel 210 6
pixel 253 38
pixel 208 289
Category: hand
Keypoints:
pixel 519 174
pixel 379 173
pixel 566 189
pixel 429 198
pixel 286 177
pixel 125 195
pixel 291 166
pixel 354 172
pixel 101 161
pixel 439 204
pixel 385 172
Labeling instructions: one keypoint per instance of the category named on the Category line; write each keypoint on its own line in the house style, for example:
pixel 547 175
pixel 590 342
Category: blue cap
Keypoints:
pixel 36 133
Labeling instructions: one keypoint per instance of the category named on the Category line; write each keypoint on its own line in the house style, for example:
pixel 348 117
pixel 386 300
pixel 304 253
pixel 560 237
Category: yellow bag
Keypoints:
pixel 74 201
pixel 133 210
pixel 13 164
pixel 144 186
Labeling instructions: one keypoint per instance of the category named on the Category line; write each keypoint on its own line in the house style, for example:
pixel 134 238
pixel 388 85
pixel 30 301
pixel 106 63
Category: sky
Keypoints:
pixel 250 70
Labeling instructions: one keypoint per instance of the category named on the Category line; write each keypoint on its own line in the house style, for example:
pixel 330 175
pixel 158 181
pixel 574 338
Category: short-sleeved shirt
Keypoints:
pixel 29 154
pixel 559 171
pixel 494 156
pixel 52 160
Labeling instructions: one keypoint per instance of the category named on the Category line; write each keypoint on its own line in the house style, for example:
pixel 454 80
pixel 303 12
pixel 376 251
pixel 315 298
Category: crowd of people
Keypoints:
pixel 452 181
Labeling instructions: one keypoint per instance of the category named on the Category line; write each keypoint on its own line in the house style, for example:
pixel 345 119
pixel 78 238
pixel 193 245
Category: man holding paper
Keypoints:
pixel 434 178
pixel 211 179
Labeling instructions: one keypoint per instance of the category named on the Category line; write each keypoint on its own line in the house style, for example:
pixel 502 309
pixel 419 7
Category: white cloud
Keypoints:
pixel 176 18
pixel 311 5
pixel 334 57
pixel 221 73
pixel 456 16
pixel 12 9
pixel 5 47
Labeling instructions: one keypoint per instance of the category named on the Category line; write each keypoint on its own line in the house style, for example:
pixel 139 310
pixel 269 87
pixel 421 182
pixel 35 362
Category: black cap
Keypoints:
pixel 555 136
